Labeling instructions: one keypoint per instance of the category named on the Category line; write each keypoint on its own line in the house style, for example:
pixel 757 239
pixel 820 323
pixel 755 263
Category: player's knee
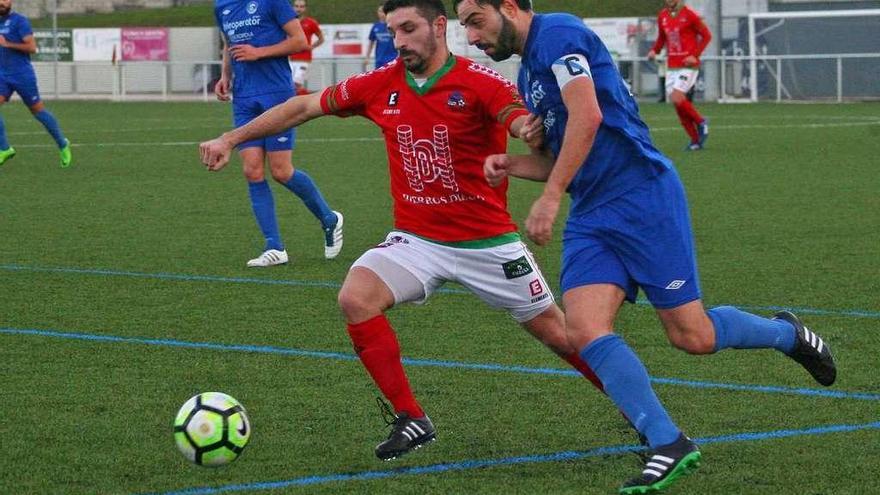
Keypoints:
pixel 355 306
pixel 282 175
pixel 37 107
pixel 693 341
pixel 253 174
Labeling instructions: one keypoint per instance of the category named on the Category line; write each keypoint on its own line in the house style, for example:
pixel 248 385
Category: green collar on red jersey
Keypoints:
pixel 424 88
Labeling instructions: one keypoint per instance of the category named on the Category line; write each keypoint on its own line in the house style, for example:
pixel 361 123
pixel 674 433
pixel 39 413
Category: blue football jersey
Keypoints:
pixel 15 28
pixel 256 23
pixel 622 155
pixel 385 51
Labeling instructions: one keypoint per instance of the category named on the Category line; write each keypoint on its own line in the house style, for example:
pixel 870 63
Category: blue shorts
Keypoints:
pixel 23 83
pixel 642 239
pixel 247 109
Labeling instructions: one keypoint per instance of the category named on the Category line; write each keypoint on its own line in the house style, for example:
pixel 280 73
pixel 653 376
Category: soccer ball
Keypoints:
pixel 211 429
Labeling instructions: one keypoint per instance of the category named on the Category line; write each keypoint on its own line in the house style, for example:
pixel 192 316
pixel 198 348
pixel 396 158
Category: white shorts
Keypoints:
pixel 300 71
pixel 681 80
pixel 504 276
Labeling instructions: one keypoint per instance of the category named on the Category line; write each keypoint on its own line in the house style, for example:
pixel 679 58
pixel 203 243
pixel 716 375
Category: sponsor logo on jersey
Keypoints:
pixel 675 284
pixel 393 98
pixel 456 100
pixel 226 12
pixel 251 7
pixel 427 160
pixel 519 267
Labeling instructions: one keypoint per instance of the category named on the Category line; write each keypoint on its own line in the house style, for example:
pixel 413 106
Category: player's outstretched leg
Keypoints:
pixel 301 184
pixel 49 121
pixel 784 332
pixel 810 350
pixel 664 465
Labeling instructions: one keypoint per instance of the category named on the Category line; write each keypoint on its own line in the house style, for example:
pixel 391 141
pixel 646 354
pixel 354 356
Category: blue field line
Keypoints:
pixel 471 464
pixel 336 285
pixel 265 349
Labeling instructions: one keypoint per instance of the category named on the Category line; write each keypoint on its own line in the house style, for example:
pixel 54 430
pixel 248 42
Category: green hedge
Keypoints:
pixel 332 11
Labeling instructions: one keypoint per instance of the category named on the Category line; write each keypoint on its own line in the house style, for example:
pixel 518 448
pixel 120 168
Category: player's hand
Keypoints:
pixel 244 53
pixel 691 61
pixel 215 153
pixel 3 41
pixel 652 55
pixel 496 168
pixel 539 224
pixel 221 89
pixel 532 131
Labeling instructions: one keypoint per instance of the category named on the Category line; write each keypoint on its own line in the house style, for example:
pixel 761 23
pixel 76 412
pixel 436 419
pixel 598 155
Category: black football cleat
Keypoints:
pixel 407 434
pixel 664 466
pixel 810 350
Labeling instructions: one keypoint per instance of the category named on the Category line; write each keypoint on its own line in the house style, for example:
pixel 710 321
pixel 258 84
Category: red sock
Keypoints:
pixel 691 111
pixel 574 359
pixel 687 122
pixel 377 347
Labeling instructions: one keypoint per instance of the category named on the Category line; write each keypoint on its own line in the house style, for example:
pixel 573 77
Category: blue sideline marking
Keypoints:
pixel 508 461
pixel 336 285
pixel 265 349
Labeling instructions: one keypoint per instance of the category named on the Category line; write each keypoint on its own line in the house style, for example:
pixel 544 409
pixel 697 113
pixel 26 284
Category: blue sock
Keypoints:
pixel 626 382
pixel 4 143
pixel 740 330
pixel 48 120
pixel 303 186
pixel 264 209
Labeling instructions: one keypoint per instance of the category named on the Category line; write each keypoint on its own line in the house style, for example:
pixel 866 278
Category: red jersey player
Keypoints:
pixel 441 116
pixel 300 61
pixel 685 36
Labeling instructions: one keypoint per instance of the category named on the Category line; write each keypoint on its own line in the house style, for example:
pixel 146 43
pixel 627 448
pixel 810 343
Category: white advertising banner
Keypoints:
pixel 91 45
pixel 618 33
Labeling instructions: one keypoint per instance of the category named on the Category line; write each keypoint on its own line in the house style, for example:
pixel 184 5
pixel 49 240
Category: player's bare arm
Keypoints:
pixel 584 118
pixel 320 41
pixel 221 89
pixel 27 45
pixel 535 166
pixel 215 154
pixel 295 42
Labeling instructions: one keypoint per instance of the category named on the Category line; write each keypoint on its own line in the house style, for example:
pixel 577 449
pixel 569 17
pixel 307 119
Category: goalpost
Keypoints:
pixel 812 55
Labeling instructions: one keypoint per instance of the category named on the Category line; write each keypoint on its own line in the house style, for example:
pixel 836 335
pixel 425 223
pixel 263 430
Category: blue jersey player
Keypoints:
pixel 258 35
pixel 628 227
pixel 17 76
pixel 381 39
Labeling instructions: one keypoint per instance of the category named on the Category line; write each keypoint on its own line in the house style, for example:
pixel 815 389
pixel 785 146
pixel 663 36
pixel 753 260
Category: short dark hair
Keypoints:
pixel 522 4
pixel 429 9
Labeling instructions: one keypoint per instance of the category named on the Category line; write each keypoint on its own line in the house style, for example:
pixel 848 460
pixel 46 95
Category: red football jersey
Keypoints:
pixel 437 136
pixel 679 33
pixel 311 28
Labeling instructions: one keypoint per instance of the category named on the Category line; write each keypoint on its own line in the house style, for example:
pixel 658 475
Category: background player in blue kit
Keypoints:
pixel 258 35
pixel 628 226
pixel 17 75
pixel 381 40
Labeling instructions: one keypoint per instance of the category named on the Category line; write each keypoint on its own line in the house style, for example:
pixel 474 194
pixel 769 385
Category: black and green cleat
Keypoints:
pixel 664 466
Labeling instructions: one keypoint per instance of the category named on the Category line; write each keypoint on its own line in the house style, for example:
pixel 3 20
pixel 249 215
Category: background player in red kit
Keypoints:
pixel 300 61
pixel 685 36
pixel 441 116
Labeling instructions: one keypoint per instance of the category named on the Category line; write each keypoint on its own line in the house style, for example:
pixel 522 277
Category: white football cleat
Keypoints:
pixel 333 238
pixel 270 257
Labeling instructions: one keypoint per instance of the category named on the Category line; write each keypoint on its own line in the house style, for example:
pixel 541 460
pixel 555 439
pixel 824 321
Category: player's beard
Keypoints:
pixel 419 63
pixel 506 43
pixel 4 10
